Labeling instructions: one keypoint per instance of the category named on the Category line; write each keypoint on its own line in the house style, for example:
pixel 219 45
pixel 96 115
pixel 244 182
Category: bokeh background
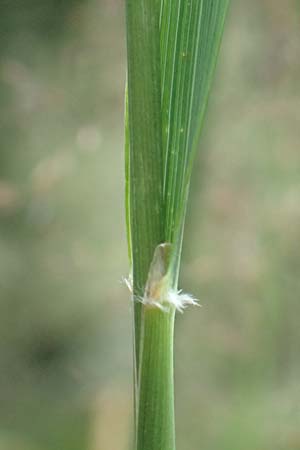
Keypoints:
pixel 65 316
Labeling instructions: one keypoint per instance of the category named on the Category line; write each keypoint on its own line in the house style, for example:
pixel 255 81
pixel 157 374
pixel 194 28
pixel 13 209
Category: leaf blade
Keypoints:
pixel 191 33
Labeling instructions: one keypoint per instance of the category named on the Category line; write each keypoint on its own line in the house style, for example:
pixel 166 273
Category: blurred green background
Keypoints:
pixel 65 316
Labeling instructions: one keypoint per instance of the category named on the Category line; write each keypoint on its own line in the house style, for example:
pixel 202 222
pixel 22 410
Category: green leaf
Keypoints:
pixel 172 51
pixel 191 33
pixel 144 119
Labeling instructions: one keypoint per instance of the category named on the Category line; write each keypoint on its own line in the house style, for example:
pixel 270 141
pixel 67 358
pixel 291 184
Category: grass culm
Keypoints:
pixel 172 48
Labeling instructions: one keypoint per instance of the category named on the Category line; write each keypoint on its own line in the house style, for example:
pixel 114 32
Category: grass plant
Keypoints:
pixel 172 49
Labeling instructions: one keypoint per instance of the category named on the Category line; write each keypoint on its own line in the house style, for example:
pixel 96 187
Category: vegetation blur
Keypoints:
pixel 65 315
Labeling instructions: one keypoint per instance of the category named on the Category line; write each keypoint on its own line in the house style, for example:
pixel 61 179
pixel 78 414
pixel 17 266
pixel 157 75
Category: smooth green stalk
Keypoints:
pixel 144 166
pixel 144 154
pixel 172 51
pixel 155 428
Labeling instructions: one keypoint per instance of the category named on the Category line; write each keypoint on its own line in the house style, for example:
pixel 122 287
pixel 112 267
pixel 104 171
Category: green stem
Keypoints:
pixel 171 49
pixel 155 428
pixel 144 165
pixel 144 154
